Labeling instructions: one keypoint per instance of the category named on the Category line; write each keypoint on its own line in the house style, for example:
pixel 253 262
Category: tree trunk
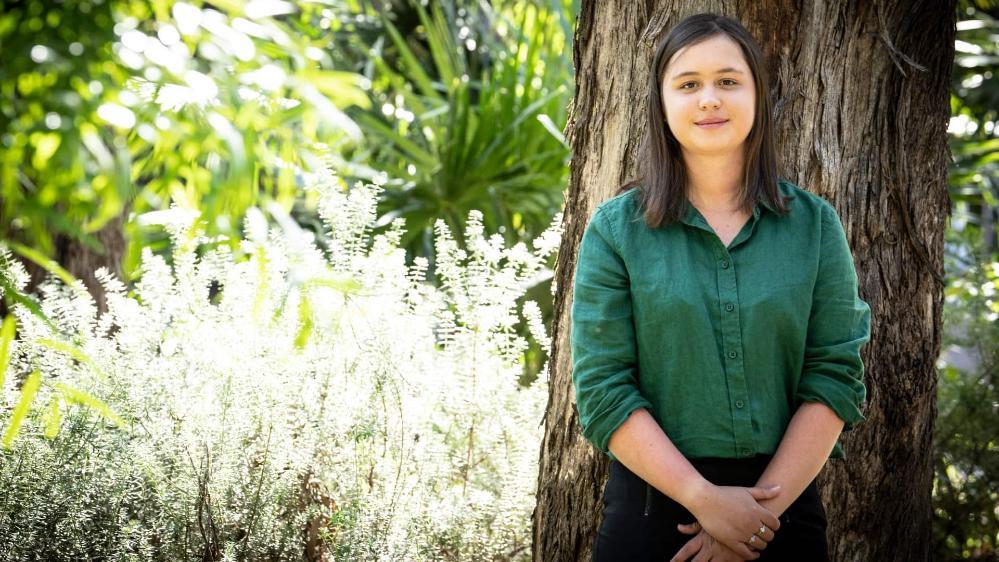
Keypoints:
pixel 862 101
pixel 82 262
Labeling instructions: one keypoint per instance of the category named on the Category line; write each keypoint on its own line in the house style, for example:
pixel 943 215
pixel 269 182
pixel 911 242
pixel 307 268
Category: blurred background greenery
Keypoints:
pixel 112 109
pixel 966 440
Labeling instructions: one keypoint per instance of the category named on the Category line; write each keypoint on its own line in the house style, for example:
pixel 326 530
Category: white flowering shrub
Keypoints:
pixel 282 401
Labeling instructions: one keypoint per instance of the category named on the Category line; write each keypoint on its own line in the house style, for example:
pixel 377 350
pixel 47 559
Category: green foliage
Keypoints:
pixel 966 436
pixel 54 169
pixel 28 391
pixel 468 104
pixel 217 107
pixel 974 145
pixel 453 130
pixel 10 291
pixel 6 336
pixel 966 462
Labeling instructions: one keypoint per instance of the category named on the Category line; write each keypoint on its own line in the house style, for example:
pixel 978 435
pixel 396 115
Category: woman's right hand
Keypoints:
pixel 732 515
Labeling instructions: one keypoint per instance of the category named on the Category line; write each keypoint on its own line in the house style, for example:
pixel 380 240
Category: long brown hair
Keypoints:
pixel 662 183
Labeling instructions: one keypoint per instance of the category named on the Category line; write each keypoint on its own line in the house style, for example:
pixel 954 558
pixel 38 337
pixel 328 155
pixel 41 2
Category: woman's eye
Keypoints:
pixel 685 84
pixel 729 82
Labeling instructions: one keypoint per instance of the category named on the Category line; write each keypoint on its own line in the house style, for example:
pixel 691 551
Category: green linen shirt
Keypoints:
pixel 720 344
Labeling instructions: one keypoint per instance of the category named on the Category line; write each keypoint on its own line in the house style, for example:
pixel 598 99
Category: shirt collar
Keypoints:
pixel 692 216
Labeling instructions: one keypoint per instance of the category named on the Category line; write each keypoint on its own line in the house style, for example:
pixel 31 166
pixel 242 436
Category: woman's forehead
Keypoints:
pixel 716 54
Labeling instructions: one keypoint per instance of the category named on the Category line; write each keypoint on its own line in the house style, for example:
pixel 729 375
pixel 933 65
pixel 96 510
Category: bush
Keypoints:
pixel 285 402
pixel 966 448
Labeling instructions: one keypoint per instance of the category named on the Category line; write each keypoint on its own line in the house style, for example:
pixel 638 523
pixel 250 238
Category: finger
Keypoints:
pixel 690 528
pixel 688 550
pixel 758 544
pixel 761 493
pixel 767 535
pixel 705 555
pixel 761 540
pixel 769 520
pixel 744 551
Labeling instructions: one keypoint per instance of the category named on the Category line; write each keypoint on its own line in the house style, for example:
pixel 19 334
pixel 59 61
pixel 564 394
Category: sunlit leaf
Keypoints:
pixel 28 391
pixel 79 397
pixel 7 331
pixel 53 418
pixel 47 264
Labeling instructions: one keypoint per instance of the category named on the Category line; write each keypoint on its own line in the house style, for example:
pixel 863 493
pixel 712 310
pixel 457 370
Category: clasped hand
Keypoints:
pixel 727 519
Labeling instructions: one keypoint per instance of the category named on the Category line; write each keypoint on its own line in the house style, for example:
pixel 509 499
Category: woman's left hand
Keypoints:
pixel 703 547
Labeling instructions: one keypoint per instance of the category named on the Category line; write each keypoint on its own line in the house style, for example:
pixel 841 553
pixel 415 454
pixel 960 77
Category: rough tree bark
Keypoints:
pixel 861 92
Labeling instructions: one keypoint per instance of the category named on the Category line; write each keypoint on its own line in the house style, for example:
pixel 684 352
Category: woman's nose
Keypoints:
pixel 709 101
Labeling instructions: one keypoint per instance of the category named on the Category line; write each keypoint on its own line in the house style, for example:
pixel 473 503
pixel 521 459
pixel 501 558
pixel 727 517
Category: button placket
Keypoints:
pixel 732 348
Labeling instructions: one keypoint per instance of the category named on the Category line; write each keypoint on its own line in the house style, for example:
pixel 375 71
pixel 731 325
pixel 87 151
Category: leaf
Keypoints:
pixel 28 392
pixel 9 292
pixel 53 418
pixel 973 146
pixel 72 351
pixel 343 88
pixel 75 396
pixel 263 278
pixel 442 46
pixel 46 145
pixel 6 335
pixel 49 265
pixel 342 284
pixel 549 126
pixel 305 317
pixel 416 72
pixel 408 147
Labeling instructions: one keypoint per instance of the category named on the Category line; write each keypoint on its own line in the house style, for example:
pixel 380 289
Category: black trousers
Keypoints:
pixel 639 522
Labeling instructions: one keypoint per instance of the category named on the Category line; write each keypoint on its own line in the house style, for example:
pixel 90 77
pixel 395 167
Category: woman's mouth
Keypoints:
pixel 711 123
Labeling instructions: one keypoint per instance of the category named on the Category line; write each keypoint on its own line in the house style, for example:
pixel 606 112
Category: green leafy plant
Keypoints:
pixel 966 444
pixel 118 106
pixel 974 170
pixel 449 141
pixel 12 278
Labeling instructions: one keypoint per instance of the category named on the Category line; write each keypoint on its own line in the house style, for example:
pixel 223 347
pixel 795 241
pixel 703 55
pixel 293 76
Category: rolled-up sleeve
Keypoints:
pixel 838 328
pixel 604 370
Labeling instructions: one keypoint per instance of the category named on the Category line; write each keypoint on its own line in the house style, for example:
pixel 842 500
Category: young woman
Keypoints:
pixel 716 324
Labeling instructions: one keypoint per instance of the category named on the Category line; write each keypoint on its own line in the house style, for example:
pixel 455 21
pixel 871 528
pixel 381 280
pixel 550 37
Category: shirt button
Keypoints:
pixel 725 264
pixel 739 404
pixel 746 452
pixel 732 354
pixel 730 307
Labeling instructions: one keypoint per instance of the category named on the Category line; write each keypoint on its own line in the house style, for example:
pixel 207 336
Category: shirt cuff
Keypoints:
pixel 599 429
pixel 843 398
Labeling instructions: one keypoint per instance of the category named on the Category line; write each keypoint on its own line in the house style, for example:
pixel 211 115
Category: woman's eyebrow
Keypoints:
pixel 693 73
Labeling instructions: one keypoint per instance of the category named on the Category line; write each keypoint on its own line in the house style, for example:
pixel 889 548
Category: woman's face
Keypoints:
pixel 709 96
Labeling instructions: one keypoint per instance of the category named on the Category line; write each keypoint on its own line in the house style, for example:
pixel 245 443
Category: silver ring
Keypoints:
pixel 752 539
pixel 762 531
